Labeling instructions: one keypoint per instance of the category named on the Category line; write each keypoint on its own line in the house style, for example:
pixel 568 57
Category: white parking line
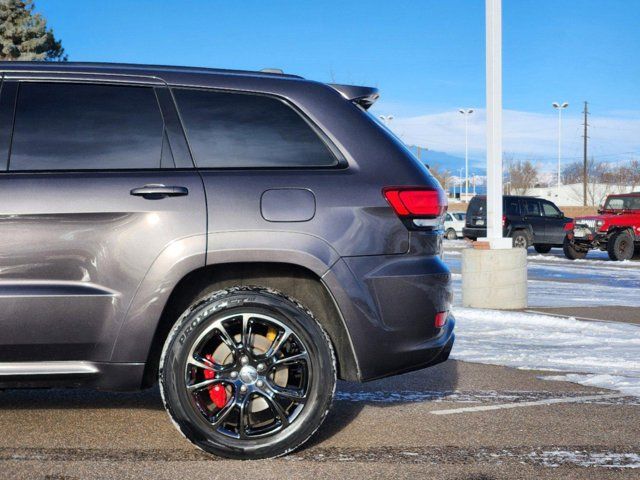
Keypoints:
pixel 550 401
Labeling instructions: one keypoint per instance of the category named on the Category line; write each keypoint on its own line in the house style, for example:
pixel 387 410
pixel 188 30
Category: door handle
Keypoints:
pixel 158 191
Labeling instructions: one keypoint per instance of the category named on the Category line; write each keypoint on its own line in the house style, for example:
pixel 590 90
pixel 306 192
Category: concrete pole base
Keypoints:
pixel 495 279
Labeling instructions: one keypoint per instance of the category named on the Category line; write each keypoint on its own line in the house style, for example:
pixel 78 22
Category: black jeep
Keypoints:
pixel 529 221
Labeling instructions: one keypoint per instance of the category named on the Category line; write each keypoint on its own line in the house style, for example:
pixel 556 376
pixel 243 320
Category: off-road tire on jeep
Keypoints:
pixel 570 251
pixel 451 234
pixel 221 373
pixel 542 248
pixel 620 246
pixel 521 239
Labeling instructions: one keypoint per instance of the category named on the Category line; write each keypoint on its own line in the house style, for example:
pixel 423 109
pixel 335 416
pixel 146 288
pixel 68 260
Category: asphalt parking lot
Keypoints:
pixel 458 420
pixel 383 429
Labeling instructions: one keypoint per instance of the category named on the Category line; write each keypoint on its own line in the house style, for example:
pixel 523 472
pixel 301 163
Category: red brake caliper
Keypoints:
pixel 217 392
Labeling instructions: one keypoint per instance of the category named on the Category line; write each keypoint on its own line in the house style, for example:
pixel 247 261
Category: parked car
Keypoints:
pixel 453 225
pixel 616 229
pixel 244 237
pixel 529 221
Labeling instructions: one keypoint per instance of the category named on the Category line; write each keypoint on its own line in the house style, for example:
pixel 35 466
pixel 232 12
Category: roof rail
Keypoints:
pixel 272 70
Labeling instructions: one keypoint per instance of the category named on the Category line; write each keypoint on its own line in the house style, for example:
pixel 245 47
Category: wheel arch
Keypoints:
pixel 615 229
pixel 291 279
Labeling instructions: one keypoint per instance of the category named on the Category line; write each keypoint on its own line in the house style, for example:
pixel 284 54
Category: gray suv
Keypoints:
pixel 245 238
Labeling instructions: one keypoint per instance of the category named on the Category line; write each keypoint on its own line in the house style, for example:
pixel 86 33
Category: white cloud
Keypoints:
pixel 526 135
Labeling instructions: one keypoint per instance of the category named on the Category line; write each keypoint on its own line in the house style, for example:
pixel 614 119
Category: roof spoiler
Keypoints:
pixel 363 96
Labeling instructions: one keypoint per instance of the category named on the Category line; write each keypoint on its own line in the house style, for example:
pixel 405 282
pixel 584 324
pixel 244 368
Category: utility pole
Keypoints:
pixel 584 158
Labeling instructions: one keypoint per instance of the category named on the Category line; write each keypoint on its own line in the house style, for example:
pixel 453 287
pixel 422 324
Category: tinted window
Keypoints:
pixel 77 127
pixel 477 207
pixel 511 206
pixel 550 210
pixel 532 208
pixel 238 130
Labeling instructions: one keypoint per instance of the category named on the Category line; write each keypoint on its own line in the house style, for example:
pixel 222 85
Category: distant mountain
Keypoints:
pixel 444 160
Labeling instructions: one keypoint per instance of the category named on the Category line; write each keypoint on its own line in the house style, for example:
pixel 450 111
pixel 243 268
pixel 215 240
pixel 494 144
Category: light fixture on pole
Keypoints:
pixel 386 119
pixel 559 107
pixel 466 112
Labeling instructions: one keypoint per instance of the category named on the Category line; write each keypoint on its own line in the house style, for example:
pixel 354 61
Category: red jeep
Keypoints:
pixel 615 229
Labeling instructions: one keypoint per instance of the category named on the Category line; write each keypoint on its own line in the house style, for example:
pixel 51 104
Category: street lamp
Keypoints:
pixel 559 107
pixel 386 119
pixel 460 180
pixel 466 112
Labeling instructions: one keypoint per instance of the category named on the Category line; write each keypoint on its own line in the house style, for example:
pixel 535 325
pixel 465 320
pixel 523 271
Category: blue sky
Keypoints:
pixel 427 57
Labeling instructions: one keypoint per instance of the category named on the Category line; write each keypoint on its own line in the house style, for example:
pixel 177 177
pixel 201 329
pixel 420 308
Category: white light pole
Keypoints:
pixel 494 275
pixel 460 181
pixel 559 107
pixel 466 112
pixel 493 15
pixel 386 119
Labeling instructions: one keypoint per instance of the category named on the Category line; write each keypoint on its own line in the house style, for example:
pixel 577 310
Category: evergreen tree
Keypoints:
pixel 24 34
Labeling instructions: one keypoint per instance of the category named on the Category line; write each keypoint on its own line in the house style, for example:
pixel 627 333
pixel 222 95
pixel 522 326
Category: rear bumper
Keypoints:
pixel 389 303
pixel 478 232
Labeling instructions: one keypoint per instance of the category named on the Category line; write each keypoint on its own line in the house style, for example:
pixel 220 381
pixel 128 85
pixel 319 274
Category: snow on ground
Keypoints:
pixel 556 458
pixel 547 293
pixel 555 281
pixel 597 354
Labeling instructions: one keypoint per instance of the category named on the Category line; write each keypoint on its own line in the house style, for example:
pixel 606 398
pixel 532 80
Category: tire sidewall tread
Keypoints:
pixel 262 293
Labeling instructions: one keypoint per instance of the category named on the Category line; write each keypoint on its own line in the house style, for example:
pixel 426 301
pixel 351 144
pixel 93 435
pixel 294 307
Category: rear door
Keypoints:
pixel 554 223
pixel 91 194
pixel 532 214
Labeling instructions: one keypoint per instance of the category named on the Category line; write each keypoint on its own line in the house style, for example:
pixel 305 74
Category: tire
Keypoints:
pixel 521 239
pixel 205 393
pixel 542 248
pixel 451 234
pixel 620 246
pixel 570 251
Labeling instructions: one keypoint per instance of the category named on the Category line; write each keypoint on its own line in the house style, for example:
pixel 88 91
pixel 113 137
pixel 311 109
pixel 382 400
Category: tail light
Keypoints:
pixel 568 226
pixel 504 221
pixel 420 206
pixel 441 319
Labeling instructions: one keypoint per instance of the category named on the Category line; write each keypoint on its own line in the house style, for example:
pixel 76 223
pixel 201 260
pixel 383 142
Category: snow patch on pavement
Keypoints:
pixel 596 354
pixel 557 458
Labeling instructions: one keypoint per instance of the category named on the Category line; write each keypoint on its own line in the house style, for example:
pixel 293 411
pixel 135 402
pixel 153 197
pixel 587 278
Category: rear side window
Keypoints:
pixel 232 130
pixel 62 126
pixel 511 206
pixel 531 208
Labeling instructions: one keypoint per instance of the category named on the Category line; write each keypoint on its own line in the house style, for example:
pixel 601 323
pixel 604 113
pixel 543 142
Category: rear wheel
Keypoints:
pixel 542 248
pixel 620 246
pixel 451 234
pixel 571 252
pixel 247 373
pixel 521 239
